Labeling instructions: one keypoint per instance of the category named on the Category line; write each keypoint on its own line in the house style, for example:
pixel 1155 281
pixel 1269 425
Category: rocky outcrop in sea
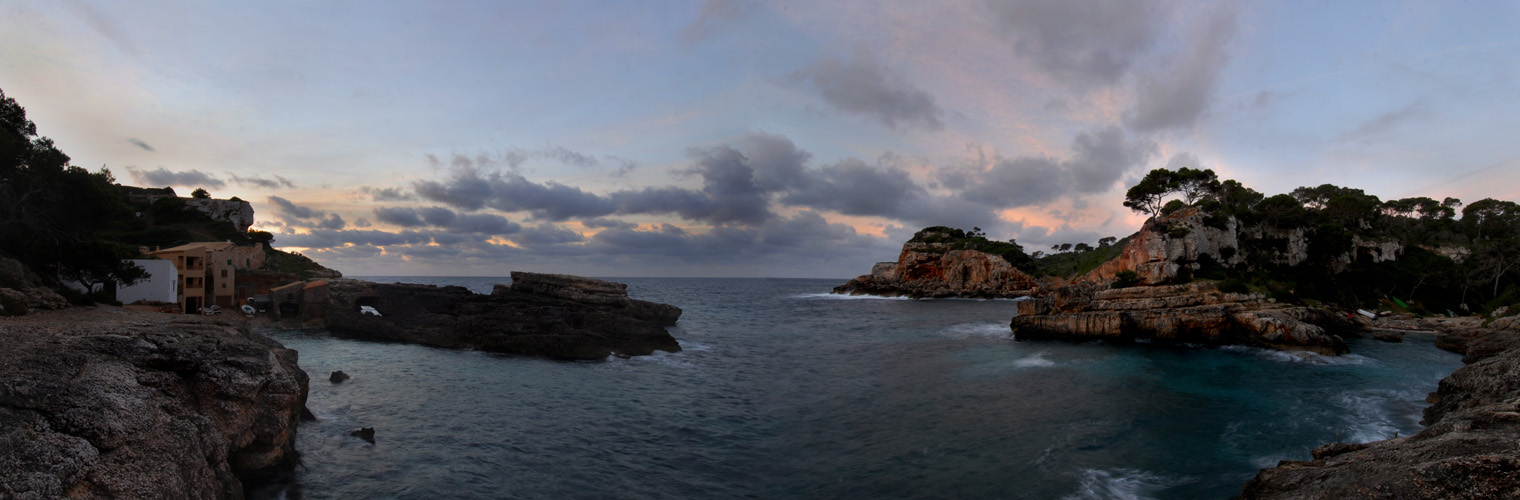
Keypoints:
pixel 557 316
pixel 934 270
pixel 1188 313
pixel 1470 448
pixel 109 403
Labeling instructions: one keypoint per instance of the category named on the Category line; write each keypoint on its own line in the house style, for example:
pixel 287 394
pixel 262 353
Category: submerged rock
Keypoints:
pixel 365 433
pixel 337 377
pixel 1189 313
pixel 110 403
pixel 558 316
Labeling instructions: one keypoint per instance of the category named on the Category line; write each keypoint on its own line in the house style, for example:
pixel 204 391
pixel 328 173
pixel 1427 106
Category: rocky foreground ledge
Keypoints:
pixel 1188 313
pixel 552 315
pixel 109 403
pixel 1470 448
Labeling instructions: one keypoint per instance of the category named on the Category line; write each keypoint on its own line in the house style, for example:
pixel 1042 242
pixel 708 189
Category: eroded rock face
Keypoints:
pixel 110 403
pixel 931 270
pixel 1468 451
pixel 557 316
pixel 1190 313
pixel 237 212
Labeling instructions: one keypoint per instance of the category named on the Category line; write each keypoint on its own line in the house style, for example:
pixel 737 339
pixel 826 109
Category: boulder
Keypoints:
pixel 557 316
pixel 338 377
pixel 109 403
pixel 365 433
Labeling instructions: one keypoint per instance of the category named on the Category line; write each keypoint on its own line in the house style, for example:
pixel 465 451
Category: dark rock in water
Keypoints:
pixel 110 403
pixel 365 433
pixel 558 316
pixel 338 377
pixel 1388 336
pixel 1190 313
pixel 1468 449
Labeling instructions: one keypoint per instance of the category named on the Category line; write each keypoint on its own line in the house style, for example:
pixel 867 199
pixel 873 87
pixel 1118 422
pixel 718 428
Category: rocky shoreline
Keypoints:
pixel 1188 313
pixel 1469 449
pixel 106 402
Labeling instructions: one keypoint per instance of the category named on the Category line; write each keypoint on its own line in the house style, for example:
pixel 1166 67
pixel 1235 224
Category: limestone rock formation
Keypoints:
pixel 237 212
pixel 1177 244
pixel 557 316
pixel 111 403
pixel 1468 450
pixel 1189 313
pixel 933 270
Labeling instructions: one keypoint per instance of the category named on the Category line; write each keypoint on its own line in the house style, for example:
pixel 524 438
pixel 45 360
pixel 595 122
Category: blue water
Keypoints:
pixel 784 391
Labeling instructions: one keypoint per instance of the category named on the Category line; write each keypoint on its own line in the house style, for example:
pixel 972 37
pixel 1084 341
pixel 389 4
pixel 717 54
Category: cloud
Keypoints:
pixel 546 235
pixel 863 86
pixel 277 183
pixel 443 218
pixel 387 194
pixel 854 188
pixel 1174 97
pixel 1385 122
pixel 139 143
pixel 1083 43
pixel 608 223
pixel 163 177
pixel 399 216
pixel 715 16
pixel 1098 159
pixel 292 214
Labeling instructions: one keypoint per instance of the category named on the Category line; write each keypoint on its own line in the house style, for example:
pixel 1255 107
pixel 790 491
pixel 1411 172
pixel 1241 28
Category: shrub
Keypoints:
pixel 1234 285
pixel 1126 279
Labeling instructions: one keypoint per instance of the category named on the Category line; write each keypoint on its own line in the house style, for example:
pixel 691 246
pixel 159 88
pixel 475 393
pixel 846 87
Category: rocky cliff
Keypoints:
pixel 237 212
pixel 1178 244
pixel 109 403
pixel 935 270
pixel 558 316
pixel 1190 313
pixel 1470 448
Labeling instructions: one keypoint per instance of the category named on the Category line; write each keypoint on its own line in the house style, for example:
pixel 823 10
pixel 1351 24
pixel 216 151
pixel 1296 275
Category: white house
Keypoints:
pixel 161 285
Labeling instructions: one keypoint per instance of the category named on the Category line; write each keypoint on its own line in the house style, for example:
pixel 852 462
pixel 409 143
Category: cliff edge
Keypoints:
pixel 110 403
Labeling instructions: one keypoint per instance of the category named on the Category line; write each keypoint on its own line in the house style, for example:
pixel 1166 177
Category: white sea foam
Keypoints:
pixel 975 330
pixel 1369 414
pixel 838 296
pixel 1036 361
pixel 1121 484
pixel 1300 357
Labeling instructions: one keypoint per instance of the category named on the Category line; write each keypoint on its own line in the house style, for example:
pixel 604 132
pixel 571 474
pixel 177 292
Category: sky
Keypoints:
pixel 726 138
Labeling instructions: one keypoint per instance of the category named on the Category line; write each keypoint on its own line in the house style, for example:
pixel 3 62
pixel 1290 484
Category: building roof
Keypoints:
pixel 315 284
pixel 202 245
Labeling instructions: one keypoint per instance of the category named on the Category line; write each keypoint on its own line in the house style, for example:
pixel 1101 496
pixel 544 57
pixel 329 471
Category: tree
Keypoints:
pixel 1150 193
pixel 200 194
pixel 1106 241
pixel 1083 247
pixel 1281 211
pixel 1065 247
pixel 1195 184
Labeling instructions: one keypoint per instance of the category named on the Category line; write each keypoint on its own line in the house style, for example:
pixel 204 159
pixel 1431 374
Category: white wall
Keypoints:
pixel 161 285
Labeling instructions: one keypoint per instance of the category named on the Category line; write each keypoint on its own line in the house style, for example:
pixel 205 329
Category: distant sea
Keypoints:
pixel 786 391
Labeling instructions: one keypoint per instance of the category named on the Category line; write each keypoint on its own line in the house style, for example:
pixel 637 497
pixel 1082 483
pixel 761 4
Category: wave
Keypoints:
pixel 837 296
pixel 1370 414
pixel 974 330
pixel 1301 357
pixel 1036 361
pixel 1121 484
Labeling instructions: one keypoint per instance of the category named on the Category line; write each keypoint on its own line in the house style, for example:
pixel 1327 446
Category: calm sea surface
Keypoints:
pixel 785 391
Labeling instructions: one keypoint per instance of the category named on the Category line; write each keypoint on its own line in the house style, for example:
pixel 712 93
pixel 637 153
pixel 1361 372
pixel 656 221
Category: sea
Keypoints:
pixel 783 390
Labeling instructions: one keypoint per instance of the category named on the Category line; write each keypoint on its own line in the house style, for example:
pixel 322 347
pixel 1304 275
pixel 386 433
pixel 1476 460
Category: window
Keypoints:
pixel 224 273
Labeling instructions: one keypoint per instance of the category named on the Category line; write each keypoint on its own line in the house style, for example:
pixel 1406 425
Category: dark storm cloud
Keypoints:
pixel 443 218
pixel 331 222
pixel 1087 43
pixel 1175 96
pixel 545 235
pixel 163 177
pixel 387 194
pixel 608 223
pixel 863 86
pixel 852 187
pixel 139 143
pixel 276 183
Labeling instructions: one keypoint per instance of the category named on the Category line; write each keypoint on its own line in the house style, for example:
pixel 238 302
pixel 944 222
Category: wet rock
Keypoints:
pixel 365 433
pixel 557 316
pixel 933 270
pixel 1388 335
pixel 338 377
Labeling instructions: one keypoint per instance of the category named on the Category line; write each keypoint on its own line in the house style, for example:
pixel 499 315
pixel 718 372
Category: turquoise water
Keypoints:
pixel 785 391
